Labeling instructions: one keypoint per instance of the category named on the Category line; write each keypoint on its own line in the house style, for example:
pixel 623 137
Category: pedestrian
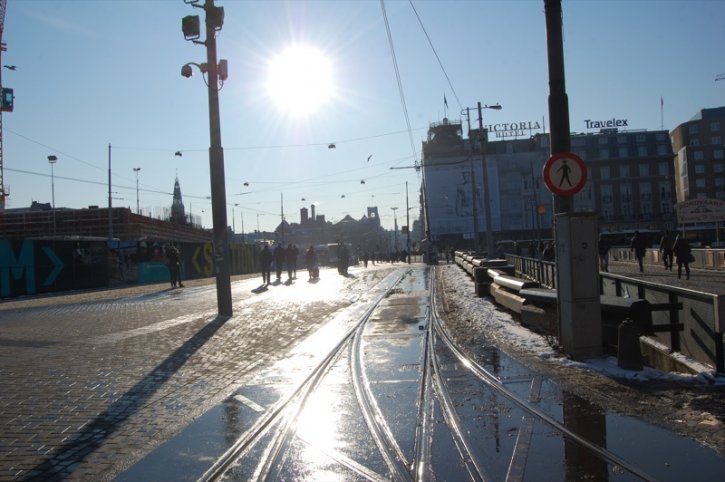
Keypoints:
pixel 639 246
pixel 279 260
pixel 366 258
pixel 291 260
pixel 666 245
pixel 313 269
pixel 683 255
pixel 603 248
pixel 265 259
pixel 174 263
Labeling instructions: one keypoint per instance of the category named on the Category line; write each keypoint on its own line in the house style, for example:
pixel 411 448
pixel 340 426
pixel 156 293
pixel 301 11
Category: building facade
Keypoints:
pixel 700 156
pixel 630 183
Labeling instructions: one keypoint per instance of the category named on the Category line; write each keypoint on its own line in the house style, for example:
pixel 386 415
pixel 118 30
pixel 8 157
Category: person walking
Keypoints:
pixel 683 255
pixel 290 255
pixel 603 248
pixel 279 260
pixel 174 263
pixel 666 245
pixel 639 246
pixel 313 269
pixel 265 259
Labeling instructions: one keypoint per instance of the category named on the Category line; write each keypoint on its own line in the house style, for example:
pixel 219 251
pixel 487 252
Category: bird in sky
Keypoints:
pixel 369 157
pixel 10 67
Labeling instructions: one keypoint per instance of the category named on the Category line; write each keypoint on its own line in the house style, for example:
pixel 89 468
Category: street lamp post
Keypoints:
pixel 52 160
pixel 214 20
pixel 395 225
pixel 490 246
pixel 136 169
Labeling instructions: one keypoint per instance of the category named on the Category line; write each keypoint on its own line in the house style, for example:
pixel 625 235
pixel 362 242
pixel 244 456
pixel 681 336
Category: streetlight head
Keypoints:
pixel 52 158
pixel 136 169
pixel 494 107
pixel 186 71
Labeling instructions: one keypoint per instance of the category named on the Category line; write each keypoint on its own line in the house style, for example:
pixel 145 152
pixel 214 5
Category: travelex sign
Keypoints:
pixel 605 124
pixel 513 129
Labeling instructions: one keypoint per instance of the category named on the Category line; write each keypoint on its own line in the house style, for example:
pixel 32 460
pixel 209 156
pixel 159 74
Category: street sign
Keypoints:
pixel 701 210
pixel 565 174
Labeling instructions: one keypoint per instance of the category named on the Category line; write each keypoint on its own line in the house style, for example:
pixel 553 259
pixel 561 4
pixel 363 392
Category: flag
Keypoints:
pixel 445 101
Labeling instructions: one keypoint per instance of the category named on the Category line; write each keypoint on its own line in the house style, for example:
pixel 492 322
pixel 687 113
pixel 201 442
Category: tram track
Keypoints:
pixel 532 413
pixel 270 438
pixel 286 410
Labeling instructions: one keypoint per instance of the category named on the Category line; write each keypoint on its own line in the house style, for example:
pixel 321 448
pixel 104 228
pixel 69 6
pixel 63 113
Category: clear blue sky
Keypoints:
pixel 90 73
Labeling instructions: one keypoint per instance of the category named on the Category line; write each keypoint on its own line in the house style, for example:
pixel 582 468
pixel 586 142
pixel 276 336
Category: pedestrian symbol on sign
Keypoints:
pixel 565 174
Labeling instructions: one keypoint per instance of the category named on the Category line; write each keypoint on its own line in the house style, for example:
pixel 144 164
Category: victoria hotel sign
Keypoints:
pixel 513 129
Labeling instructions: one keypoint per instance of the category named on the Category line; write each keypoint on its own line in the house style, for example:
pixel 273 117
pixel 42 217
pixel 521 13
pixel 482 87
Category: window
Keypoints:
pixel 604 153
pixel 663 150
pixel 603 141
pixel 717 140
pixel 660 136
pixel 717 154
pixel 718 167
pixel 623 151
pixel 695 142
pixel 715 126
pixel 578 141
pixel 604 172
pixel 699 168
pixel 719 181
pixel 644 170
pixel 642 151
pixel 624 171
pixel 694 129
pixel 663 169
pixel 621 139
pixel 641 138
pixel 700 183
pixel 699 155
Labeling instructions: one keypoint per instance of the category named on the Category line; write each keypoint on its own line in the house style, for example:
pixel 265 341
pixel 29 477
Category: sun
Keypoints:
pixel 300 80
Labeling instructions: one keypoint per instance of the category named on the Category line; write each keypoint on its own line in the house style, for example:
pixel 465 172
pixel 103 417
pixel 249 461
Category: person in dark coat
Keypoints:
pixel 265 258
pixel 279 260
pixel 603 249
pixel 683 255
pixel 639 246
pixel 313 268
pixel 174 264
pixel 666 245
pixel 291 260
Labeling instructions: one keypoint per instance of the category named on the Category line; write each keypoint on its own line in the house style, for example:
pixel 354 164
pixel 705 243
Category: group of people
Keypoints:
pixel 675 249
pixel 281 257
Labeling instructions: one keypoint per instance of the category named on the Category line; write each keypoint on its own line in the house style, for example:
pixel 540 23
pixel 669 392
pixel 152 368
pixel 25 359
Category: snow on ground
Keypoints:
pixel 493 320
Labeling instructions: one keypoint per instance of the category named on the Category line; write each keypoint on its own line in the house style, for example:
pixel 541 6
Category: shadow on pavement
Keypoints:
pixel 64 460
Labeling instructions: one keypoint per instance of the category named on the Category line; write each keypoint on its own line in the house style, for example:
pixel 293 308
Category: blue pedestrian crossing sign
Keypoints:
pixel 565 174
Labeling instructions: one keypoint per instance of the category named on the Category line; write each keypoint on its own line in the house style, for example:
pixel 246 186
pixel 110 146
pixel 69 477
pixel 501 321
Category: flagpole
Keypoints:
pixel 662 113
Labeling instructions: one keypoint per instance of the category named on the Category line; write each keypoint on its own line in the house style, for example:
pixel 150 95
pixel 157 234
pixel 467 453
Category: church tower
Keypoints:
pixel 178 215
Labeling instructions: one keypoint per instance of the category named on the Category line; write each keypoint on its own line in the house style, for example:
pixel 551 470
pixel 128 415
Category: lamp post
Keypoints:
pixel 395 225
pixel 490 245
pixel 214 20
pixel 136 169
pixel 52 160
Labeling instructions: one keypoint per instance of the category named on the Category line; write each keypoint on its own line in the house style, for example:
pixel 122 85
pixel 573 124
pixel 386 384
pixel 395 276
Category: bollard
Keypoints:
pixel 629 353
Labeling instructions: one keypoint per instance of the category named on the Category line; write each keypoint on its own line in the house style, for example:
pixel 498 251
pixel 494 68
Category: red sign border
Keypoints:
pixel 553 187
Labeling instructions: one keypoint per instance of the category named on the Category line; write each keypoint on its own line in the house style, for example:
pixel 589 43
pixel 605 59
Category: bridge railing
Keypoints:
pixel 702 315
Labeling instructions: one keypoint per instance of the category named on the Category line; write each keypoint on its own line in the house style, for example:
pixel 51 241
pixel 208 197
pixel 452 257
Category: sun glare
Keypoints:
pixel 300 80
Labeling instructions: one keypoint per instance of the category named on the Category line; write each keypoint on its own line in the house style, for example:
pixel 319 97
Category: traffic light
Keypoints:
pixel 8 99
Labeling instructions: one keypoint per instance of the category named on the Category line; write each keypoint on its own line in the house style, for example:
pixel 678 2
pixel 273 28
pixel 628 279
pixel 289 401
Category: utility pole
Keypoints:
pixel 136 169
pixel 110 210
pixel 190 26
pixel 578 299
pixel 490 246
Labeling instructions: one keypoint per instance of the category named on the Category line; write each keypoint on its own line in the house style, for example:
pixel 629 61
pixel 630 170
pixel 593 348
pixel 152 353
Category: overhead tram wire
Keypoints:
pixel 430 42
pixel 400 83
